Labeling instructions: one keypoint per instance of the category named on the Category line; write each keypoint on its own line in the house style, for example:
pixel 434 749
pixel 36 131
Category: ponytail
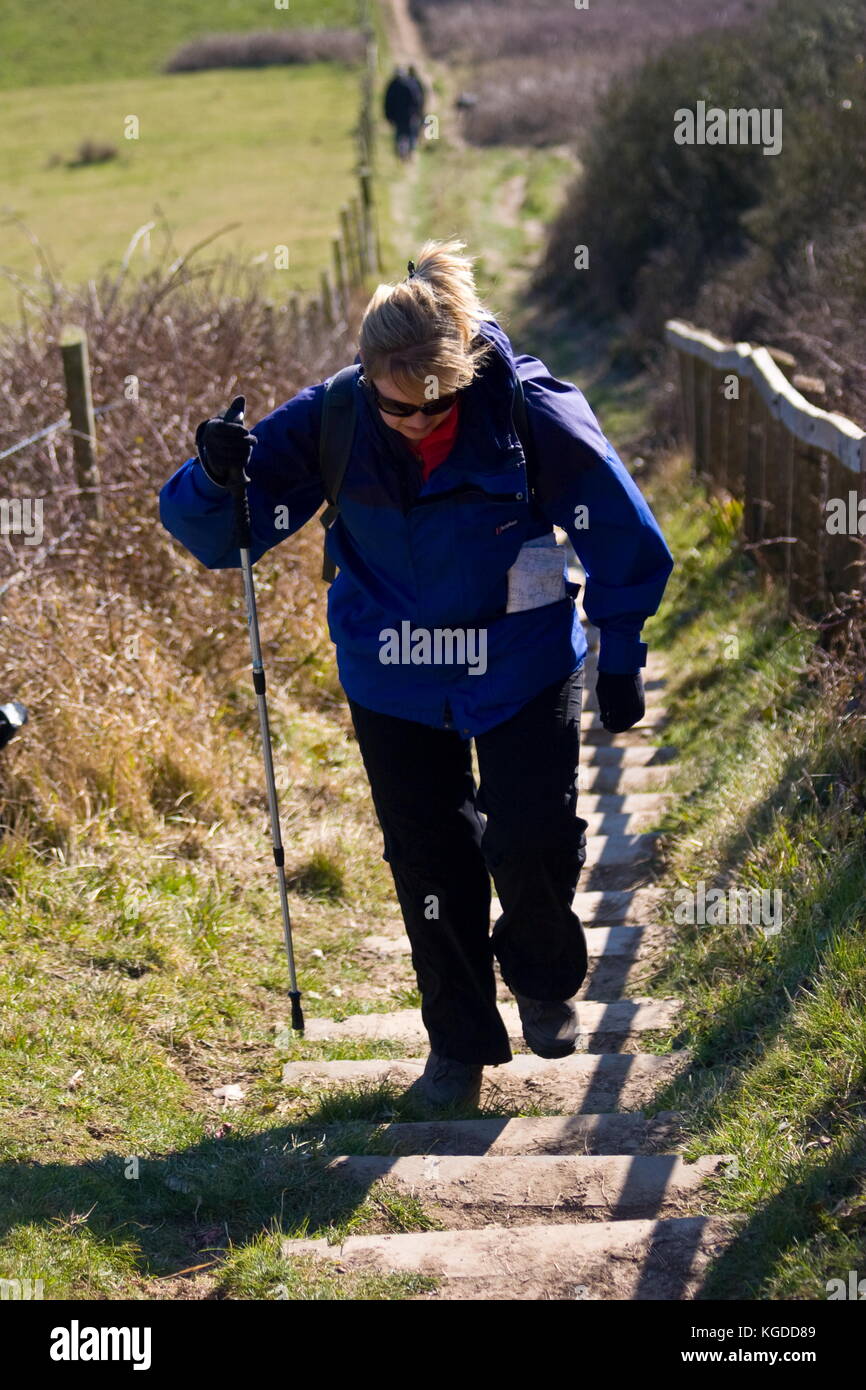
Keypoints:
pixel 423 331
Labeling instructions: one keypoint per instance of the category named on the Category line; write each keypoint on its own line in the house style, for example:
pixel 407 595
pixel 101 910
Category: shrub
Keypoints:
pixel 665 223
pixel 92 152
pixel 538 67
pixel 268 48
pixel 121 644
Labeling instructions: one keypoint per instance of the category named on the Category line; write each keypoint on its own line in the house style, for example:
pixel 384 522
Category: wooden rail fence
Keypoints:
pixel 799 471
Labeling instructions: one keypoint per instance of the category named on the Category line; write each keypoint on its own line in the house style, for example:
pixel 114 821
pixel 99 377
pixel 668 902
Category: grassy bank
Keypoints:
pixel 772 735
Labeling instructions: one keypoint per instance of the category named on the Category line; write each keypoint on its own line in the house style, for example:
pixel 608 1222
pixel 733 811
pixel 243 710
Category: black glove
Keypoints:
pixel 620 700
pixel 12 716
pixel 224 447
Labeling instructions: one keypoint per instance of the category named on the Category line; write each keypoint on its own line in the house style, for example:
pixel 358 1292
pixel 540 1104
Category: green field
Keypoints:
pixel 103 40
pixel 271 150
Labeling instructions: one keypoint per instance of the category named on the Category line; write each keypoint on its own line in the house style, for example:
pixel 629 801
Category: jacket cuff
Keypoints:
pixel 622 656
pixel 205 484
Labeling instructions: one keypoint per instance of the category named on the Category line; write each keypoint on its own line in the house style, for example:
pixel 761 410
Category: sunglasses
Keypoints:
pixel 406 408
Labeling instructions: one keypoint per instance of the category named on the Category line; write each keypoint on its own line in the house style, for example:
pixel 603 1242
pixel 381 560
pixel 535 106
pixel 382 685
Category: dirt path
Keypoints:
pixel 407 47
pixel 406 42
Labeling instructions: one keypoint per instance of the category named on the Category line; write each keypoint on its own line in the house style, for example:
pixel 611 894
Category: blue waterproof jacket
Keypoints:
pixel 435 555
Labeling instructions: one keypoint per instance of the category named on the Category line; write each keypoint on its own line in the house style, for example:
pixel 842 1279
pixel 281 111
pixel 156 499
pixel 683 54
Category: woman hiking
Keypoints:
pixel 453 621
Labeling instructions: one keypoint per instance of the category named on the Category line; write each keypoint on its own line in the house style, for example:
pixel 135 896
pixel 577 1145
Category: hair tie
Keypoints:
pixel 411 269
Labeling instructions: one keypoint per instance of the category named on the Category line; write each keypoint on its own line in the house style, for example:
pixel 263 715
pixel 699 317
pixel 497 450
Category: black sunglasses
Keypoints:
pixel 405 408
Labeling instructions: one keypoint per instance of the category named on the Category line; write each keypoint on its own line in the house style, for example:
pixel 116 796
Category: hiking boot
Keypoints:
pixel 549 1026
pixel 445 1081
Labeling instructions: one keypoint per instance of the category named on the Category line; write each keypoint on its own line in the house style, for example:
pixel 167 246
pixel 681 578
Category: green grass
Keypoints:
pixel 262 1270
pixel 53 42
pixel 272 152
pixel 775 799
pixel 135 984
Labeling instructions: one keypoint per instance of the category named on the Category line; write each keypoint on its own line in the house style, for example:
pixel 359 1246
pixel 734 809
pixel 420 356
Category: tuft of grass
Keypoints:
pixel 266 1269
pixel 320 877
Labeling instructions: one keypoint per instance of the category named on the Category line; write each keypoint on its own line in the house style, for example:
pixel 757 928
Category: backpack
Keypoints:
pixel 337 435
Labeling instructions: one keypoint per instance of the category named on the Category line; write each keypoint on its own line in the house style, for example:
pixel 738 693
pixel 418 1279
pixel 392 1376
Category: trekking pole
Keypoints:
pixel 235 414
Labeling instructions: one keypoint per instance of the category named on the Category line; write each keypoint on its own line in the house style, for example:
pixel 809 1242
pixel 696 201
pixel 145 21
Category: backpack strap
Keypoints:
pixel 520 420
pixel 335 446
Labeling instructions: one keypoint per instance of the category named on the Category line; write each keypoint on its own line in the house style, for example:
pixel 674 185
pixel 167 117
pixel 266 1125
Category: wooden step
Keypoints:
pixel 623 803
pixel 661 1260
pixel 596 1083
pixel 468 1190
pixel 608 941
pixel 597 777
pixel 616 755
pixel 603 1027
pixel 546 1134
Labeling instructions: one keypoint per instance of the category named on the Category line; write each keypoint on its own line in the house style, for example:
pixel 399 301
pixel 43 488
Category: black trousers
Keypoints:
pixel 445 838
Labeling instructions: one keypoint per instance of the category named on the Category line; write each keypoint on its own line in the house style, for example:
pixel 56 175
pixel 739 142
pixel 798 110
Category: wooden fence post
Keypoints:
pixel 76 372
pixel 327 299
pixel 374 253
pixel 755 510
pixel 738 436
pixel 716 428
pixel 295 312
pixel 844 550
pixel 808 524
pixel 703 386
pixel 357 217
pixel 349 255
pixel 340 277
pixel 687 394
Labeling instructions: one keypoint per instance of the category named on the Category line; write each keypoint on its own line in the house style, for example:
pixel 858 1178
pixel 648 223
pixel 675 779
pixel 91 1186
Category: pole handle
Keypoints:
pixel 235 416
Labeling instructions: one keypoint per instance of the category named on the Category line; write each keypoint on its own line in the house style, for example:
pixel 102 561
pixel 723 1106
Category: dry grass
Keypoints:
pixel 130 655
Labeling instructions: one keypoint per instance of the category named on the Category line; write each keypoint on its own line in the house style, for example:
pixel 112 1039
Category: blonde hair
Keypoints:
pixel 426 325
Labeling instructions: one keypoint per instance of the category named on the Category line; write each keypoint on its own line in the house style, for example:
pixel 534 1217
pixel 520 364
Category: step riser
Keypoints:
pixel 622 803
pixel 627 942
pixel 606 851
pixel 628 756
pixel 593 733
pixel 616 907
pixel 547 1187
pixel 558 1134
pixel 593 779
pixel 603 1027
pixel 582 1082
